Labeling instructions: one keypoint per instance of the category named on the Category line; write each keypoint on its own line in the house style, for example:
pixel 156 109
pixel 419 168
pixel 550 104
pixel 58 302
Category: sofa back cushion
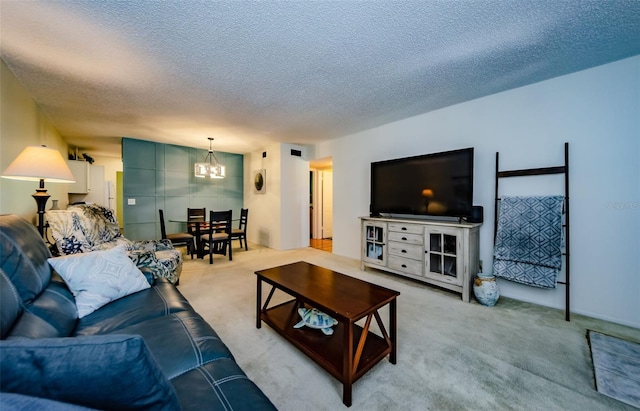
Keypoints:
pixel 23 257
pixel 83 228
pixel 66 230
pixel 32 305
pixel 52 314
pixel 11 304
pixel 97 222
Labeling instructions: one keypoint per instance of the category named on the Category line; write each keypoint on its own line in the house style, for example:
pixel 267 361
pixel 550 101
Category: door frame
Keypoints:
pixel 316 201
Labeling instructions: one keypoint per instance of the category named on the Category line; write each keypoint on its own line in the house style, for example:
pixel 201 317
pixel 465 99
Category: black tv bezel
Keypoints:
pixel 374 213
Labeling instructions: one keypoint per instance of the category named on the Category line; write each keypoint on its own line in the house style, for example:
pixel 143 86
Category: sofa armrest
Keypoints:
pixel 156 259
pixel 148 263
pixel 152 245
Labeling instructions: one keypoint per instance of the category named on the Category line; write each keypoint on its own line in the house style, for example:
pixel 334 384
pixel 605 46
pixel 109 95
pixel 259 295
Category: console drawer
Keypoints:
pixel 406 228
pixel 414 251
pixel 405 265
pixel 406 238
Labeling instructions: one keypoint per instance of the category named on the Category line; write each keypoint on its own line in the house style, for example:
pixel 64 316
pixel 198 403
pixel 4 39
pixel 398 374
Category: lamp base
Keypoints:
pixel 41 196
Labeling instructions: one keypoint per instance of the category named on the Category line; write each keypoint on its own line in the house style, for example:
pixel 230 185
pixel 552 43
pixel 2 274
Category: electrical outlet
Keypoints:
pixel 480 267
pixel 131 201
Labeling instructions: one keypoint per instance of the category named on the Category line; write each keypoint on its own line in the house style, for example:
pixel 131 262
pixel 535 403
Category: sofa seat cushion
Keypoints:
pixel 219 385
pixel 158 301
pixel 186 341
pixel 105 372
pixel 99 277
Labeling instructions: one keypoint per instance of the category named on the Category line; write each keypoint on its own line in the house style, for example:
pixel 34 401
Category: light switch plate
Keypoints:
pixel 131 201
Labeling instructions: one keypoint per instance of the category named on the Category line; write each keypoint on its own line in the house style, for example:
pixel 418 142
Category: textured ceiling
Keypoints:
pixel 251 73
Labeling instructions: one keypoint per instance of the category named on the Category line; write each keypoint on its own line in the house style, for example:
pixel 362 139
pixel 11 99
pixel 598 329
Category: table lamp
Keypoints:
pixel 39 163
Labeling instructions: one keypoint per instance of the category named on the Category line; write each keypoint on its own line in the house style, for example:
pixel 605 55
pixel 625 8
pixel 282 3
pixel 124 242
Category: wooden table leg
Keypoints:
pixel 393 323
pixel 258 302
pixel 347 364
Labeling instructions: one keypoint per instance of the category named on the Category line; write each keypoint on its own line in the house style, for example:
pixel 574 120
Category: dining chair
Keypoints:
pixel 197 225
pixel 217 240
pixel 177 238
pixel 240 233
pixel 197 214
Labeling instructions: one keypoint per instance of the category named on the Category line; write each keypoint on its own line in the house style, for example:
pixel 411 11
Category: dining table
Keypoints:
pixel 198 227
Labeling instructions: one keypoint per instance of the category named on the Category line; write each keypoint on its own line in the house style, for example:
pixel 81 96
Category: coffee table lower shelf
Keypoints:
pixel 326 350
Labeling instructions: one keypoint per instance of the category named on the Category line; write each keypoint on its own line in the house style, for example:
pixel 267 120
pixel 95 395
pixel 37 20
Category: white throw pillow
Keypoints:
pixel 99 277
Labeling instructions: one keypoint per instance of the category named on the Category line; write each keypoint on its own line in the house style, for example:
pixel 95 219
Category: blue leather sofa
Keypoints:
pixel 147 350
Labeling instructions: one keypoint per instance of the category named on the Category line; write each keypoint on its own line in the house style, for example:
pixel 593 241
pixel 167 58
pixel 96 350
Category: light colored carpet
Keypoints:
pixel 451 355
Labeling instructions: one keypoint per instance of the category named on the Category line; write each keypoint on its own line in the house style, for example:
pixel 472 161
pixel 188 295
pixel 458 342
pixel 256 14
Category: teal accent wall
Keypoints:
pixel 160 176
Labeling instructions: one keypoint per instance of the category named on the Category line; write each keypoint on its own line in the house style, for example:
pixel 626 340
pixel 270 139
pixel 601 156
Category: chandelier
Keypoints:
pixel 210 168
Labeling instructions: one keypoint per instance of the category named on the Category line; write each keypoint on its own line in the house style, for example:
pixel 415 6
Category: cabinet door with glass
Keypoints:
pixel 443 258
pixel 374 243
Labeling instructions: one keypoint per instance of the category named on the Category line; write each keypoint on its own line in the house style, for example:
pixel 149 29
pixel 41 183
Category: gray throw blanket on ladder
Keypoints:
pixel 528 245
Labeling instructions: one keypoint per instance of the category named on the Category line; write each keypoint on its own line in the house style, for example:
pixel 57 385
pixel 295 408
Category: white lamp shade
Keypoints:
pixel 39 162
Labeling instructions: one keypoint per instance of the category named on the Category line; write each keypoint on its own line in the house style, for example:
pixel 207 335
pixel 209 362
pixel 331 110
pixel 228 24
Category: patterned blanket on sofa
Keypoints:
pixel 83 228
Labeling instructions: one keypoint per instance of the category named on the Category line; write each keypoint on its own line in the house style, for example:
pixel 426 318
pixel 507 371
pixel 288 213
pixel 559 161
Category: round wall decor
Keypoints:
pixel 260 181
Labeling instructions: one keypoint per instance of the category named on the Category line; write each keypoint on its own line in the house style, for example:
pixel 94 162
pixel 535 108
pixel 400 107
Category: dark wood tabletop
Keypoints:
pixel 336 294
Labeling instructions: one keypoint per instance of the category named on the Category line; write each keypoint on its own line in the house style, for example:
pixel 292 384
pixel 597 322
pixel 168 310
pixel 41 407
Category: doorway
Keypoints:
pixel 321 204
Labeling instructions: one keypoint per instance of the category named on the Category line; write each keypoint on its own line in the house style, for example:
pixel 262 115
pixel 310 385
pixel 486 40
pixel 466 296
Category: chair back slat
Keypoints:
pixel 163 229
pixel 221 221
pixel 244 216
pixel 197 214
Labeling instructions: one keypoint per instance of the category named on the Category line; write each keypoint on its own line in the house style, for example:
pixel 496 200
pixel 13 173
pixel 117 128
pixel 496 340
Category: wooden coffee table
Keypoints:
pixel 352 350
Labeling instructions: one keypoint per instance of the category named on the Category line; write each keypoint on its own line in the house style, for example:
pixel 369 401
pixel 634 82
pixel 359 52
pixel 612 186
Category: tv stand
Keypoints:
pixel 441 253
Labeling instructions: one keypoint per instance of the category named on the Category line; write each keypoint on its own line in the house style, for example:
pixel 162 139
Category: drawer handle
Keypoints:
pixel 404 251
pixel 404 266
pixel 404 238
pixel 404 228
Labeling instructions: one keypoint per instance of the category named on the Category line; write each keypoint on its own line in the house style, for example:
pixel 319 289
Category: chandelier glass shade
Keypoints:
pixel 210 168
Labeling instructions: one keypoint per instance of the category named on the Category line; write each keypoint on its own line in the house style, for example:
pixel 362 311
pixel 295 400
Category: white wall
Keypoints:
pixel 295 188
pixel 111 166
pixel 264 209
pixel 22 124
pixel 279 218
pixel 597 111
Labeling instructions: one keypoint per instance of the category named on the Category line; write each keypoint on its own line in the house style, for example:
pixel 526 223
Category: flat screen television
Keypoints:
pixel 439 184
